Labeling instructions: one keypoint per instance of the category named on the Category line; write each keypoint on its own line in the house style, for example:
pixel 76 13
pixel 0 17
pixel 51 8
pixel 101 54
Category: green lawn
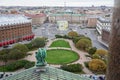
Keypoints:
pixel 60 56
pixel 60 43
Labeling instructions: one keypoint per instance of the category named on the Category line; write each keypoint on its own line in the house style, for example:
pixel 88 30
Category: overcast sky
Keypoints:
pixel 55 2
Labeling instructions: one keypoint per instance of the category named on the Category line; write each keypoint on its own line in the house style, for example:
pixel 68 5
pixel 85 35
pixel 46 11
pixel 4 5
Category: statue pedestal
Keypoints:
pixel 40 69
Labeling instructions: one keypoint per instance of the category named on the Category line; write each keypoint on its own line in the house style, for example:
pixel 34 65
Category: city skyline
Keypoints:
pixel 73 3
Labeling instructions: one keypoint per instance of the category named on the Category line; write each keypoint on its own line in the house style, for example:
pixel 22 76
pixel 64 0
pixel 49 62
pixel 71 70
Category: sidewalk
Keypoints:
pixel 82 54
pixel 102 42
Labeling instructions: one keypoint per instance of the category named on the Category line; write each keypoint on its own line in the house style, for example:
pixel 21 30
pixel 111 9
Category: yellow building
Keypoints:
pixel 63 25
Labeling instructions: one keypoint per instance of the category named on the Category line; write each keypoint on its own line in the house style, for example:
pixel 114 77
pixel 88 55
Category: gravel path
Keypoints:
pixel 81 60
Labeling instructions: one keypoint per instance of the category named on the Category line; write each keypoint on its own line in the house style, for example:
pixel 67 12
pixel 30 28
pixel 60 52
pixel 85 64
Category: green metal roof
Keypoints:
pixel 50 74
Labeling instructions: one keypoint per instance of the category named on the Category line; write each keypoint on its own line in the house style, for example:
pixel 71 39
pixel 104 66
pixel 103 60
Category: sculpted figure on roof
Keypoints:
pixel 40 57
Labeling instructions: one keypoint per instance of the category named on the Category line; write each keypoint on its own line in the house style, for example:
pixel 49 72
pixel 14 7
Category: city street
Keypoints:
pixel 95 41
pixel 93 35
pixel 50 30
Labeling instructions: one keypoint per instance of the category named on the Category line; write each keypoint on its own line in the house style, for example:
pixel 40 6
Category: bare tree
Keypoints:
pixel 113 71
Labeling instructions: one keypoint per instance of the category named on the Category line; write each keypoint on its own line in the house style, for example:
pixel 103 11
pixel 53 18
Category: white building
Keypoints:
pixel 103 23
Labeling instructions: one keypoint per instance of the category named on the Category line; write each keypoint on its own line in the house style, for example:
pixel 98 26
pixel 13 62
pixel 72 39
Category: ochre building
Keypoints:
pixel 37 19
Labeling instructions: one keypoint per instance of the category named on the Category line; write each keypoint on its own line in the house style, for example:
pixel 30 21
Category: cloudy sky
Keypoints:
pixel 55 2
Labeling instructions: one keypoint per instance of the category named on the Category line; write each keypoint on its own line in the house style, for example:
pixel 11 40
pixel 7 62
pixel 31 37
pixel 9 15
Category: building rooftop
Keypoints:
pixel 35 15
pixel 104 20
pixel 51 73
pixel 61 14
pixel 9 19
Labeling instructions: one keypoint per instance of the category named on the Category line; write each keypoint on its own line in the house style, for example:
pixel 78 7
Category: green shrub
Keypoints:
pixel 86 38
pixel 95 56
pixel 15 65
pixel 12 54
pixel 86 64
pixel 88 56
pixel 92 50
pixel 76 39
pixel 3 69
pixel 58 36
pixel 97 65
pixel 102 53
pixel 105 60
pixel 5 58
pixel 5 51
pixel 63 36
pixel 84 44
pixel 38 42
pixel 72 34
pixel 21 47
pixel 16 54
pixel 72 67
pixel 29 65
pixel 29 46
pixel 67 37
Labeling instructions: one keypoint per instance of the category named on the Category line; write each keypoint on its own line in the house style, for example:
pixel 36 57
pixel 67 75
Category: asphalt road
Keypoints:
pixel 95 41
pixel 93 35
pixel 50 30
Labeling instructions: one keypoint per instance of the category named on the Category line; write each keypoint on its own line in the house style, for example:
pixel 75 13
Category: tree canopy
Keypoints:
pixel 38 42
pixel 84 44
pixel 102 53
pixel 23 48
pixel 97 65
pixel 72 34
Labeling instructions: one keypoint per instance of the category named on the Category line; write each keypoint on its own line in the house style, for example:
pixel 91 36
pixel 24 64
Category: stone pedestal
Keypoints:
pixel 40 69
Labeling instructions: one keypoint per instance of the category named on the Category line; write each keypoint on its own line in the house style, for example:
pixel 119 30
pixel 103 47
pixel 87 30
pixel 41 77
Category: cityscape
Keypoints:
pixel 61 41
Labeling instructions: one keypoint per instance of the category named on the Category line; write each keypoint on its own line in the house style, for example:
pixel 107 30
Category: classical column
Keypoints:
pixel 113 71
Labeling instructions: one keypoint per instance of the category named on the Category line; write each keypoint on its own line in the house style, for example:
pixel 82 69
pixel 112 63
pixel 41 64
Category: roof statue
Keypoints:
pixel 40 57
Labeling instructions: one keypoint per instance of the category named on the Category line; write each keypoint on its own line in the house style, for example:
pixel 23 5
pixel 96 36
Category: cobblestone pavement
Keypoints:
pixel 81 60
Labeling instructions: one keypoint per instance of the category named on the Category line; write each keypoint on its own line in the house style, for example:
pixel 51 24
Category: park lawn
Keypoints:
pixel 60 56
pixel 60 43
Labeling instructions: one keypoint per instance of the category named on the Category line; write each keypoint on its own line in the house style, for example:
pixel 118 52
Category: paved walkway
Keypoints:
pixel 81 60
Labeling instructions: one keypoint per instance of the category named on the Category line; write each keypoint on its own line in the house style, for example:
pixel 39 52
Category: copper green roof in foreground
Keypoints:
pixel 50 74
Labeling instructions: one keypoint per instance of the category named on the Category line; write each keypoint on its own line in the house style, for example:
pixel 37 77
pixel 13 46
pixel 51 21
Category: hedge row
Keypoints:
pixel 63 36
pixel 17 65
pixel 72 67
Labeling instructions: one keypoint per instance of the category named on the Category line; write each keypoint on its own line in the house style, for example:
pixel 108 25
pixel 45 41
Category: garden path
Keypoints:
pixel 81 60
